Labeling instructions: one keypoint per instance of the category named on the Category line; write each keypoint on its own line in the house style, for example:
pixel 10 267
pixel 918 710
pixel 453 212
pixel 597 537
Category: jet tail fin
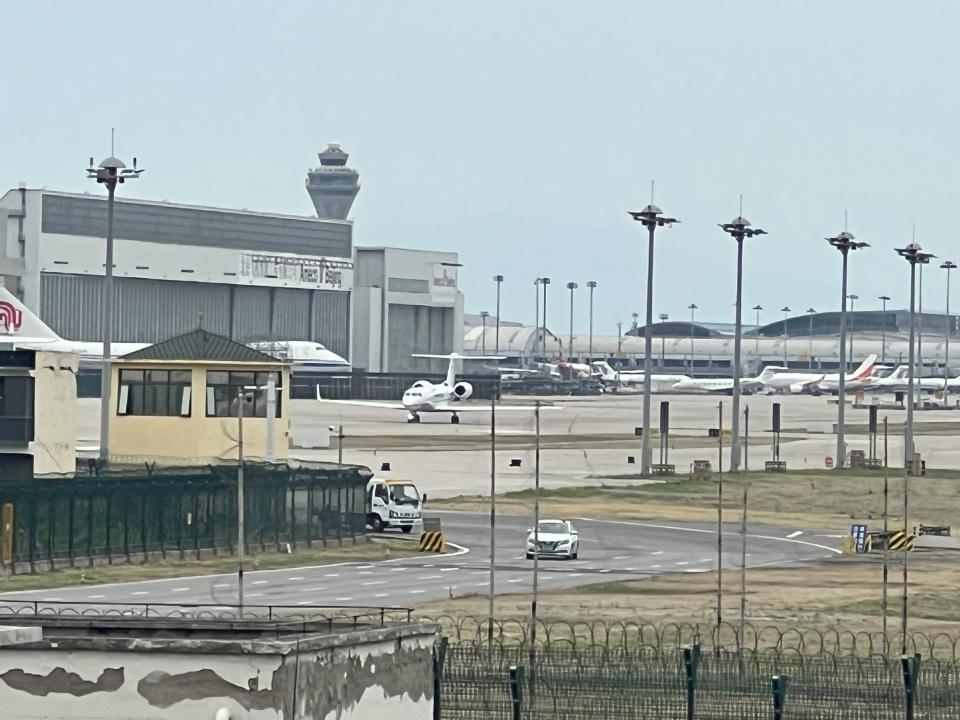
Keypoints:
pixel 16 319
pixel 453 357
pixel 865 367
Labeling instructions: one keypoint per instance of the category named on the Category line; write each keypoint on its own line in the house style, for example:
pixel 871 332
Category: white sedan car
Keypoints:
pixel 557 539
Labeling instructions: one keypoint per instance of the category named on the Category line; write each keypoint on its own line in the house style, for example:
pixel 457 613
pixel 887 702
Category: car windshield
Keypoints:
pixel 405 494
pixel 553 528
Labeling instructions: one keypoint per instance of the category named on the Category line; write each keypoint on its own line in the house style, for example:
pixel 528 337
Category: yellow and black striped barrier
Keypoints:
pixel 431 542
pixel 896 541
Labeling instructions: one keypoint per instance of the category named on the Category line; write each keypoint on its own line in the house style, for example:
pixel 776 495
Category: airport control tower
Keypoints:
pixel 333 186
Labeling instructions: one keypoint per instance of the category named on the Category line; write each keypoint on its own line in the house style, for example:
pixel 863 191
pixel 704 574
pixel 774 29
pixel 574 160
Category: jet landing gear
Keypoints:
pixel 454 419
pixel 412 417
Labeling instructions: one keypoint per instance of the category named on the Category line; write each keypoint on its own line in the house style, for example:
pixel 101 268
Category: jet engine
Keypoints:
pixel 462 390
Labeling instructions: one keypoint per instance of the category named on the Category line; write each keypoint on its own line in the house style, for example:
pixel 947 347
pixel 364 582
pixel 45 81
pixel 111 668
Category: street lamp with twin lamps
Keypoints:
pixel 111 172
pixel 756 347
pixel 497 279
pixel 483 335
pixel 852 298
pixel 914 255
pixel 883 329
pixel 786 312
pixel 738 228
pixel 811 312
pixel 651 217
pixel 844 242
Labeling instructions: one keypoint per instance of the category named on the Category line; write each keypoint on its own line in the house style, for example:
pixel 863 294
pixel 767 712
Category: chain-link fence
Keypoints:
pixel 651 675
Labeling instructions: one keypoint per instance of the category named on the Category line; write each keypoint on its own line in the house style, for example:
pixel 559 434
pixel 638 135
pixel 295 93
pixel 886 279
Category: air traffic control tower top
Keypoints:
pixel 333 186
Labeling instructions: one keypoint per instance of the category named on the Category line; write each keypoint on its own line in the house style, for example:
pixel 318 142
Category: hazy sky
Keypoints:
pixel 520 133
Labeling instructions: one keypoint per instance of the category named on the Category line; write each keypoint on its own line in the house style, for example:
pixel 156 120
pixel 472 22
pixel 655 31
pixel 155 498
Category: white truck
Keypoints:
pixel 393 504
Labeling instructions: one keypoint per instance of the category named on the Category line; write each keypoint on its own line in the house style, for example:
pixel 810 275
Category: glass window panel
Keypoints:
pixel 180 376
pixel 217 377
pixel 156 375
pixel 128 376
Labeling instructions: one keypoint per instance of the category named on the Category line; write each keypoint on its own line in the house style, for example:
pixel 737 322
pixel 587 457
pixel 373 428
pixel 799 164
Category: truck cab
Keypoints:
pixel 393 504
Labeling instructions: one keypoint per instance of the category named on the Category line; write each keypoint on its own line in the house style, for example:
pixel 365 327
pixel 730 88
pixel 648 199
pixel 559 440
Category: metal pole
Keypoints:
pixel 906 562
pixel 493 512
pixel 908 444
pixel 743 558
pixel 498 279
pixel 842 375
pixel 883 333
pixel 545 281
pixel 483 334
pixel 536 324
pixel 810 350
pixel 241 534
pixel 646 454
pixel 756 345
pixel 853 299
pixel 107 320
pixel 920 323
pixel 720 524
pixel 536 536
pixel 271 416
pixel 737 338
pixel 571 286
pixel 339 444
pixel 886 551
pixel 948 266
pixel 592 285
pixel 746 439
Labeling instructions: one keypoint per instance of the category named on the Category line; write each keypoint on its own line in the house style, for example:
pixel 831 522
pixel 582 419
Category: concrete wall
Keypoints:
pixel 198 436
pixel 364 675
pixel 55 419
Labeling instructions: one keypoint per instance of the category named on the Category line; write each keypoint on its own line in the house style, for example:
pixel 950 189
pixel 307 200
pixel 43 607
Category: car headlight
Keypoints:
pixel 563 542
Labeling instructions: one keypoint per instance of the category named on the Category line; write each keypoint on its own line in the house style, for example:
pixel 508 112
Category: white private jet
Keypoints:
pixel 807 382
pixel 20 326
pixel 859 379
pixel 897 381
pixel 423 396
pixel 725 385
pixel 634 379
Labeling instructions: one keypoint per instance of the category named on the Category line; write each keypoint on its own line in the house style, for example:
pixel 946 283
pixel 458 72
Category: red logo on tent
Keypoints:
pixel 10 317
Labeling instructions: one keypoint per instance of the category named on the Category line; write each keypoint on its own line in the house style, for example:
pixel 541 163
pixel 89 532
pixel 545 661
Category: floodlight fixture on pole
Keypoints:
pixel 571 286
pixel 914 255
pixel 739 229
pixel 786 312
pixel 948 266
pixel 592 284
pixel 883 329
pixel 483 334
pixel 692 307
pixel 498 279
pixel 811 312
pixel 756 347
pixel 651 217
pixel 852 297
pixel 111 172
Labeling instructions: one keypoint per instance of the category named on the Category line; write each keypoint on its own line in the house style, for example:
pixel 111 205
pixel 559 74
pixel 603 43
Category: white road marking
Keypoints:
pixel 51 599
pixel 398 569
pixel 295 578
pixel 223 585
pixel 414 592
pixel 483 584
pixel 481 572
pixel 375 582
pixel 516 580
pixel 658 552
pixel 575 574
pixel 140 592
pixel 606 570
pixel 696 570
pixel 705 560
pixel 365 572
pixel 796 533
pixel 305 602
pixel 259 582
pixel 250 595
pixel 183 589
pixel 427 566
pixel 364 567
pixel 654 567
pixel 332 575
pixel 682 562
pixel 448 569
pixel 345 599
pixel 430 577
pixel 382 595
pixel 622 557
pixel 94 597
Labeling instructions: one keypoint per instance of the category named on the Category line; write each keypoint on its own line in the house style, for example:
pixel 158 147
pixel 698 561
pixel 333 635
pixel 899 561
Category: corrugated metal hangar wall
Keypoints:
pixel 148 310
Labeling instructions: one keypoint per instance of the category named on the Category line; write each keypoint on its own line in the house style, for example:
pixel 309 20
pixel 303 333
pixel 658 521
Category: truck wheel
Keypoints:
pixel 376 523
pixel 407 529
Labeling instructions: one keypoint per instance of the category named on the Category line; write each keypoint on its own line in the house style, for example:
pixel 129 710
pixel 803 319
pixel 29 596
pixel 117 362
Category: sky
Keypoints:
pixel 520 133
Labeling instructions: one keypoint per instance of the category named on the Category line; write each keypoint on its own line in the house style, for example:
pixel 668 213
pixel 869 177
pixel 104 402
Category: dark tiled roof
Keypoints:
pixel 200 345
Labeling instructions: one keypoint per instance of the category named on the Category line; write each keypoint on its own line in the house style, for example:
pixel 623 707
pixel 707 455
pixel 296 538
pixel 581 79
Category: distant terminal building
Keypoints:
pixel 248 276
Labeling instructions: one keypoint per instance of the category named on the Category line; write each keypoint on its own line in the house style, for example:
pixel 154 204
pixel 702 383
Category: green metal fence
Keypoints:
pixel 149 513
pixel 636 677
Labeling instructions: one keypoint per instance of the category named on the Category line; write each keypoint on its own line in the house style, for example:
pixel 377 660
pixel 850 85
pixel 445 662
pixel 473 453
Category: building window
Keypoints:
pixel 224 388
pixel 154 392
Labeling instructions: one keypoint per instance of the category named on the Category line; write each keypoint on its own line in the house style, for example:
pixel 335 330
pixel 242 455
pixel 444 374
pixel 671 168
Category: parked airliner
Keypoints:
pixel 425 397
pixel 725 385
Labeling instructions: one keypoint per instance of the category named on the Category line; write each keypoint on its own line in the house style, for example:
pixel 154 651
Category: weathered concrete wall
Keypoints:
pixel 375 674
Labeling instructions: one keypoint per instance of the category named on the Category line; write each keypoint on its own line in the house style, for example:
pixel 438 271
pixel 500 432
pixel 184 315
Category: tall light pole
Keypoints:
pixel 786 311
pixel 853 298
pixel 663 340
pixel 111 172
pixel 883 330
pixel 652 218
pixel 498 279
pixel 592 284
pixel 571 286
pixel 756 347
pixel 948 266
pixel 738 228
pixel 692 307
pixel 844 242
pixel 536 324
pixel 483 335
pixel 914 255
pixel 811 312
pixel 545 281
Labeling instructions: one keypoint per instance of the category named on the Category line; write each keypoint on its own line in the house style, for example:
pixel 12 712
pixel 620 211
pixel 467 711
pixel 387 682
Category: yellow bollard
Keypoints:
pixel 847 546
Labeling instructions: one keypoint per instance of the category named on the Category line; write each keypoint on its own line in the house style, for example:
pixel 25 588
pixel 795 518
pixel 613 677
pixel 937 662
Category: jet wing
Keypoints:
pixel 364 403
pixel 486 408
